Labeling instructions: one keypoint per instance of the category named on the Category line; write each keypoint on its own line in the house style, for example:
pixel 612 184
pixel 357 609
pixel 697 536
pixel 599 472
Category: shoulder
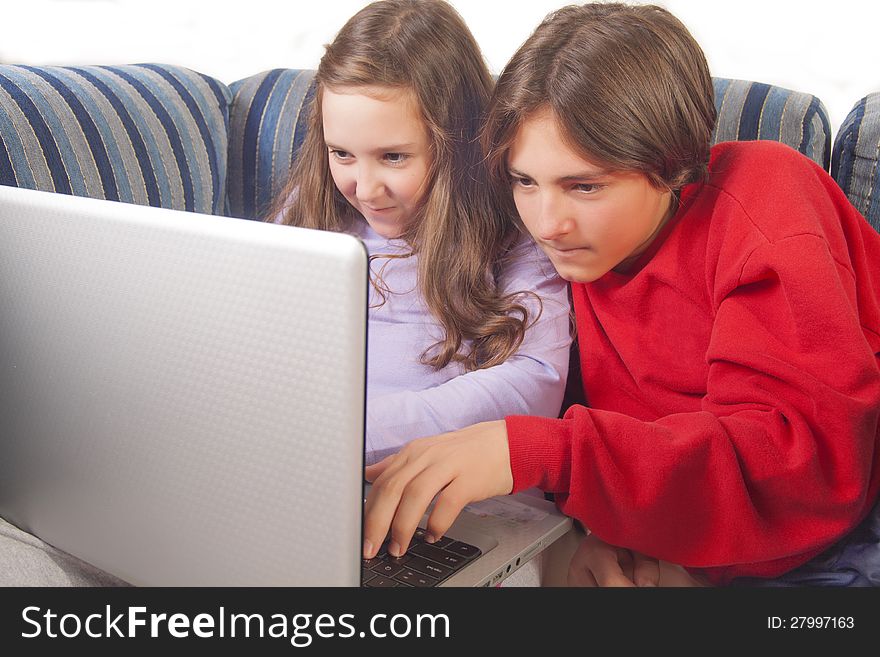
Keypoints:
pixel 525 260
pixel 756 152
pixel 763 203
pixel 763 167
pixel 772 189
pixel 527 269
pixel 757 169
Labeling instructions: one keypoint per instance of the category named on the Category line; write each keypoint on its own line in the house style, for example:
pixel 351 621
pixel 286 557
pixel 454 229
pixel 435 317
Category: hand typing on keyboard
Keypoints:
pixel 458 468
pixel 424 564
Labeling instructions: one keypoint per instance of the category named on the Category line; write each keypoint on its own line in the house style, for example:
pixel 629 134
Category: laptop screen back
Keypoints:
pixel 182 395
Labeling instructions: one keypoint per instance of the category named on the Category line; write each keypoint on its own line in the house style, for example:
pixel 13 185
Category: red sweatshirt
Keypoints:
pixel 732 377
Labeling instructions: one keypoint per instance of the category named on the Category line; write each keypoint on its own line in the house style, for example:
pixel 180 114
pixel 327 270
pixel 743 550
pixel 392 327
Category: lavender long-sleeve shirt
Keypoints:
pixel 407 399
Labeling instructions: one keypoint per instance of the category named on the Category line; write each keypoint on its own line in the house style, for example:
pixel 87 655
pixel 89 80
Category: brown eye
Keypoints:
pixel 395 158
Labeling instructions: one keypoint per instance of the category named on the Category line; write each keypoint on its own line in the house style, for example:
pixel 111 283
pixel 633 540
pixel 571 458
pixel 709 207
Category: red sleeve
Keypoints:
pixel 781 461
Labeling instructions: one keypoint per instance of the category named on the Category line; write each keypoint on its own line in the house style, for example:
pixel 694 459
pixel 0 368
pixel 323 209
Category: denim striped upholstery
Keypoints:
pixel 148 134
pixel 267 125
pixel 269 112
pixel 753 110
pixel 856 155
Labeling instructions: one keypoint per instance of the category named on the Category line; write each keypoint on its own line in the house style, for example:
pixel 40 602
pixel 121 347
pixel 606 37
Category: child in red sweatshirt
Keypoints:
pixel 728 315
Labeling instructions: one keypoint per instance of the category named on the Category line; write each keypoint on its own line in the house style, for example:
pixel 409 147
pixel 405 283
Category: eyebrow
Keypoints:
pixel 396 148
pixel 591 174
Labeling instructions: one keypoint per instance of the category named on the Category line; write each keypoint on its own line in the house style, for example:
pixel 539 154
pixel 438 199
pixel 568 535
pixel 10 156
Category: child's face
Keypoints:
pixel 587 220
pixel 379 152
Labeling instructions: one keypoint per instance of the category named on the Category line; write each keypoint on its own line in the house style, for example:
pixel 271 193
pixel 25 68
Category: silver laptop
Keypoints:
pixel 182 399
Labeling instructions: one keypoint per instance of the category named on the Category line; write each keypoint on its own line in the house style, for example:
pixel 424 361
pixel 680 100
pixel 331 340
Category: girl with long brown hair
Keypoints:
pixel 468 320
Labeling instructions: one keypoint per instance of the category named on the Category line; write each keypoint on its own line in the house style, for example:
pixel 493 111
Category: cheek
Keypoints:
pixel 524 209
pixel 640 224
pixel 343 179
pixel 413 186
pixel 616 222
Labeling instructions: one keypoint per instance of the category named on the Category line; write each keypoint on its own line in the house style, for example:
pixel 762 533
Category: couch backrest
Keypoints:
pixel 149 134
pixel 269 116
pixel 267 124
pixel 168 136
pixel 856 155
pixel 754 110
pixel 268 119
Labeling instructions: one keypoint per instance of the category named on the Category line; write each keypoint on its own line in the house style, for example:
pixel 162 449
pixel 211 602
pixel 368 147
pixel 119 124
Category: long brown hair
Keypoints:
pixel 458 232
pixel 628 84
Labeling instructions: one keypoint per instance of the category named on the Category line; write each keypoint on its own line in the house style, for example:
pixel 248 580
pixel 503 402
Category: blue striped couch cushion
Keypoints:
pixel 856 155
pixel 754 110
pixel 267 124
pixel 269 114
pixel 147 133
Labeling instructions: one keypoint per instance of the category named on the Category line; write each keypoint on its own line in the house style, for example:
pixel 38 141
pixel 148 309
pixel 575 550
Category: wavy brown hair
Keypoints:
pixel 461 237
pixel 628 84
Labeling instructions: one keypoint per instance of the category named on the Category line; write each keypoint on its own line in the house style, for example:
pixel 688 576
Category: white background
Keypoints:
pixel 825 48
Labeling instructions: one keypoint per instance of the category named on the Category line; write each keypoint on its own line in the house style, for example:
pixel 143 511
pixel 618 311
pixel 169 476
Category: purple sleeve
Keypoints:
pixel 531 382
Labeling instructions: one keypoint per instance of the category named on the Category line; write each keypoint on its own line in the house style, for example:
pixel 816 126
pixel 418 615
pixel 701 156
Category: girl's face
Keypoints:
pixel 379 151
pixel 588 220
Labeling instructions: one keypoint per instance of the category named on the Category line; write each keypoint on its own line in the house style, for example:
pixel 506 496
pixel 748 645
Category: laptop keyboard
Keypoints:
pixel 424 564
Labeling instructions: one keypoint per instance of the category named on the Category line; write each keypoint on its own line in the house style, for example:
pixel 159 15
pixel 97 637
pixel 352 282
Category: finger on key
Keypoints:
pixel 419 494
pixel 379 510
pixel 447 508
pixel 384 501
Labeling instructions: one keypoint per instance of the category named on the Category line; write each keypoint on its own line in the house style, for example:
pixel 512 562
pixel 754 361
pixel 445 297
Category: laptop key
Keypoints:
pixel 430 568
pixel 388 569
pixel 381 582
pixel 421 534
pixel 464 549
pixel 413 578
pixel 439 555
pixel 367 575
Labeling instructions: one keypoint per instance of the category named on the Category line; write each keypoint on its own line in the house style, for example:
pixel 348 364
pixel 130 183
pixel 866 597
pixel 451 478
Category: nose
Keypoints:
pixel 369 185
pixel 553 220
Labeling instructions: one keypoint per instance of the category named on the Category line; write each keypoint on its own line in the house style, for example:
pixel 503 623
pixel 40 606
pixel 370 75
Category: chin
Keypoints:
pixel 578 274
